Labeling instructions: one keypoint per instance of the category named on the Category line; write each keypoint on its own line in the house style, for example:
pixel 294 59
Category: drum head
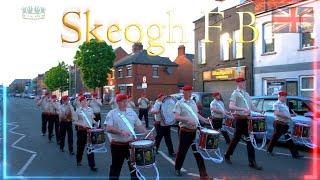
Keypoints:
pixel 166 111
pixel 209 131
pixel 142 142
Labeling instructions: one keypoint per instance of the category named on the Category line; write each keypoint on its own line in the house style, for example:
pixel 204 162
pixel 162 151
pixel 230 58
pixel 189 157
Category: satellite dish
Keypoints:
pixel 169 70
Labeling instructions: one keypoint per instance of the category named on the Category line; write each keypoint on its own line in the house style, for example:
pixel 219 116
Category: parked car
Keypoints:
pixel 203 100
pixel 307 110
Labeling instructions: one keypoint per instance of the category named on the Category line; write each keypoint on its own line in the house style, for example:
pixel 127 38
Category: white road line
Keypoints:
pixel 27 164
pixel 34 154
pixel 192 174
pixel 170 160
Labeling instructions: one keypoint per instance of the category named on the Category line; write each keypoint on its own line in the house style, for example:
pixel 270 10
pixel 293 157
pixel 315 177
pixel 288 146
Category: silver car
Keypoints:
pixel 307 110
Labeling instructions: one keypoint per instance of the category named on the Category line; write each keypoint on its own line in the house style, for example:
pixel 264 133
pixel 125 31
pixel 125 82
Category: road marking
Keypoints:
pixel 170 160
pixel 27 164
pixel 192 174
pixel 34 154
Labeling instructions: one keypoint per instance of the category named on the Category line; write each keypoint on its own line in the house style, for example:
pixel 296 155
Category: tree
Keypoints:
pixel 57 78
pixel 95 60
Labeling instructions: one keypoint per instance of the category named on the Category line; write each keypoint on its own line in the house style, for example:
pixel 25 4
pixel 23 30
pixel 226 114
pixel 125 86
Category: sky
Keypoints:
pixel 31 47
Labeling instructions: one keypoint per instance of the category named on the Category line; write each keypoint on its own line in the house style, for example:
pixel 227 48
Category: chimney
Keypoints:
pixel 181 50
pixel 137 47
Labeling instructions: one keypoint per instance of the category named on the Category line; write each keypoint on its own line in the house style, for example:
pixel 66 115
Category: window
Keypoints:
pixel 268 38
pixel 129 71
pixel 122 89
pixel 201 52
pixel 155 72
pixel 112 74
pixel 306 32
pixel 120 73
pixel 307 83
pixel 268 104
pixel 298 106
pixel 237 49
pixel 224 47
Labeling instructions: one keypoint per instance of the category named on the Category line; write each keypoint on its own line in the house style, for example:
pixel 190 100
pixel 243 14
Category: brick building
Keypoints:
pixel 185 69
pixel 216 63
pixel 161 74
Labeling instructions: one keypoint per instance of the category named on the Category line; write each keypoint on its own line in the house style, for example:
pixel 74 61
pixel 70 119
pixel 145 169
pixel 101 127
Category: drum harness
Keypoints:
pixel 136 168
pixel 251 134
pixel 216 151
pixel 99 148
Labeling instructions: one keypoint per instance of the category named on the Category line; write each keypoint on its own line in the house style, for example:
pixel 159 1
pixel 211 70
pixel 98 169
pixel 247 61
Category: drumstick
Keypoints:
pixel 149 132
pixel 210 122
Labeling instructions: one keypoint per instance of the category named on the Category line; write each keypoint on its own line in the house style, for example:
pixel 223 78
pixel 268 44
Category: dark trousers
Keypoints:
pixel 185 141
pixel 241 129
pixel 144 112
pixel 119 153
pixel 166 132
pixel 279 130
pixel 44 118
pixel 66 127
pixel 81 143
pixel 98 118
pixel 53 123
pixel 217 124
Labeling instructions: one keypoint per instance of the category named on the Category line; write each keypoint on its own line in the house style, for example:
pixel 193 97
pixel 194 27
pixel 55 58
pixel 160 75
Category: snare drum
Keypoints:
pixel 96 136
pixel 142 152
pixel 301 130
pixel 257 124
pixel 208 139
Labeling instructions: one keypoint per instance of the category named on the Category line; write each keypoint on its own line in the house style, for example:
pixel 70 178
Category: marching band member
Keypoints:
pixel 143 108
pixel 186 112
pixel 45 114
pixel 282 117
pixel 161 128
pixel 131 103
pixel 218 113
pixel 96 104
pixel 65 114
pixel 84 120
pixel 240 101
pixel 120 123
pixel 113 101
pixel 53 107
pixel 76 102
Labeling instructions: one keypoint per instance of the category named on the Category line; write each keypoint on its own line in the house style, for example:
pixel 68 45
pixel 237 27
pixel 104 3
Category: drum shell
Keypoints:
pixel 208 141
pixel 257 124
pixel 96 137
pixel 143 155
pixel 301 131
pixel 230 122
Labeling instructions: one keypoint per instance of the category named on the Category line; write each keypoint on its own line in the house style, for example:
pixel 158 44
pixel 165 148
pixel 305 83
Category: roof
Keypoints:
pixel 20 81
pixel 190 57
pixel 142 57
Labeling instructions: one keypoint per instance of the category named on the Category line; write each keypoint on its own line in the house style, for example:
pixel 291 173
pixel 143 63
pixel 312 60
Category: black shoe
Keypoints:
pixel 178 173
pixel 79 163
pixel 71 153
pixel 297 156
pixel 227 159
pixel 61 150
pixel 94 169
pixel 269 153
pixel 43 134
pixel 255 166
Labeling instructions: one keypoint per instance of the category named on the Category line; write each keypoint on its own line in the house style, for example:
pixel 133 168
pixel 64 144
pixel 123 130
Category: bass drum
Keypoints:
pixel 166 110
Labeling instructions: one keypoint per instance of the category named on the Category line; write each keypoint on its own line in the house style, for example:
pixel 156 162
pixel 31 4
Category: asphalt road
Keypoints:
pixel 29 155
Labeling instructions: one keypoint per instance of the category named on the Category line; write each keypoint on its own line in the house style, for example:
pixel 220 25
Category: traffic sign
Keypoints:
pixel 144 79
pixel 144 85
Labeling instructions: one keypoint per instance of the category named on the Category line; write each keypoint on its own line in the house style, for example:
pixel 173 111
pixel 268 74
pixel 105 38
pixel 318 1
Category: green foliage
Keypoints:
pixel 95 60
pixel 57 78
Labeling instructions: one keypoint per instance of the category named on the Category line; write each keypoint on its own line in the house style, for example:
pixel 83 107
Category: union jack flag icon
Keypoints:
pixel 292 20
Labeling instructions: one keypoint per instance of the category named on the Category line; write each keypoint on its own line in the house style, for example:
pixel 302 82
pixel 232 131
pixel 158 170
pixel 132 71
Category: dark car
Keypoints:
pixel 307 110
pixel 203 100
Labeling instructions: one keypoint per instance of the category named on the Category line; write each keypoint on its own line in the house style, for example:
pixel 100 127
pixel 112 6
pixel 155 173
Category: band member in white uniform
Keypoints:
pixel 45 114
pixel 83 115
pixel 120 135
pixel 53 108
pixel 96 104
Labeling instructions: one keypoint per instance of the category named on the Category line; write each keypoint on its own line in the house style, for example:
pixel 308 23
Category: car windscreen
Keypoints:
pixel 206 100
